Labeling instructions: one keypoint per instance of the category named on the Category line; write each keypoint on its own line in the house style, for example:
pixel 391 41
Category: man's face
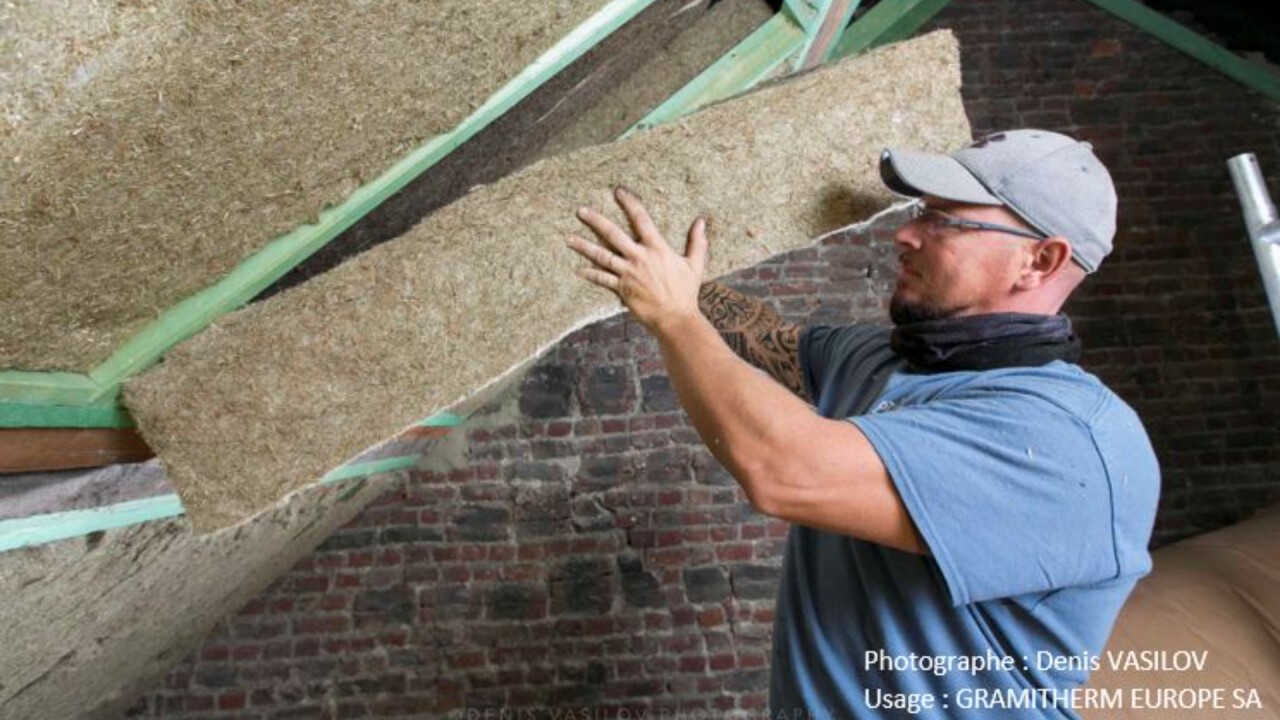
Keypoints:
pixel 951 272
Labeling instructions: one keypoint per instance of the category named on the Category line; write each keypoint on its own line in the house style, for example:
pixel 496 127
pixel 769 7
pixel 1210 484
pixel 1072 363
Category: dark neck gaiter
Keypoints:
pixel 986 342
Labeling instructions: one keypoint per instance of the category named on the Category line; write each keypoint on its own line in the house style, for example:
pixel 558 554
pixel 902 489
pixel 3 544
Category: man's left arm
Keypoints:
pixel 791 462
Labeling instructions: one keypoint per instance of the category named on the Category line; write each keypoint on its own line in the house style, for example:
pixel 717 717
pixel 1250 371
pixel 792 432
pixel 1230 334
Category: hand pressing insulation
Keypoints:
pixel 658 285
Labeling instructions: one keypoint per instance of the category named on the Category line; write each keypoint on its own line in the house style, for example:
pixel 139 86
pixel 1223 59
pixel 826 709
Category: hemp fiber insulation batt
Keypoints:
pixel 271 397
pixel 148 147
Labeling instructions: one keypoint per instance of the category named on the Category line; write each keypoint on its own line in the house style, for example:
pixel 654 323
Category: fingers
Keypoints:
pixel 599 277
pixel 597 254
pixel 697 248
pixel 608 232
pixel 607 265
pixel 641 222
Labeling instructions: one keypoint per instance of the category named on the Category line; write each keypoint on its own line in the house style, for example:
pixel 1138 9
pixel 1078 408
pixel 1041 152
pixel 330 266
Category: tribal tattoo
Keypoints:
pixel 756 333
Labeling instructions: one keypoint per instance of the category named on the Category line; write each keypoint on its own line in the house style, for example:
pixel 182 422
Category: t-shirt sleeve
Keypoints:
pixel 817 345
pixel 825 350
pixel 1007 489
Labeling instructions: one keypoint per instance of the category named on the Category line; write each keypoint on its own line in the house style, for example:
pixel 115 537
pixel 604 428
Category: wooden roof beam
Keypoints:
pixel 24 450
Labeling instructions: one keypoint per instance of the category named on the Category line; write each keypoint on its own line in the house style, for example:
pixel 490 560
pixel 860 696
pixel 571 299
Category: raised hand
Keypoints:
pixel 657 284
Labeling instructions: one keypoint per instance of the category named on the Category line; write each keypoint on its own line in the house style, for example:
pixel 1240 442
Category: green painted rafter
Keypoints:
pixel 820 43
pixel 251 277
pixel 19 415
pixel 1196 45
pixel 369 467
pixel 444 420
pixel 53 388
pixel 749 62
pixel 40 529
pixel 806 13
pixel 886 23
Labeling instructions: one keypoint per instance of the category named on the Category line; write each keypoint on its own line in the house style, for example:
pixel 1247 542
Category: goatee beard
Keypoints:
pixel 905 312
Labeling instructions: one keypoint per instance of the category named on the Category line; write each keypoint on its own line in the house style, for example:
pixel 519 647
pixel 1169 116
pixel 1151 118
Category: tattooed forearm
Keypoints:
pixel 756 333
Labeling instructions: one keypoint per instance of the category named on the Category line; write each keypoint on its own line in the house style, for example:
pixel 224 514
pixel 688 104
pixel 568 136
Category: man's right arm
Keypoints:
pixel 756 333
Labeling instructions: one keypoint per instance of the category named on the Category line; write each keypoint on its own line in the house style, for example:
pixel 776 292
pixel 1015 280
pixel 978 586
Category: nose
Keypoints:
pixel 908 236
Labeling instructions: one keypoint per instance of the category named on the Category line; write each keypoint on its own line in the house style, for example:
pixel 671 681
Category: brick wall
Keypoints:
pixel 575 547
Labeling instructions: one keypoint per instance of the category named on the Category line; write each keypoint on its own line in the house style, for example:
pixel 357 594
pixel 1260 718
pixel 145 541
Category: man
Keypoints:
pixel 970 509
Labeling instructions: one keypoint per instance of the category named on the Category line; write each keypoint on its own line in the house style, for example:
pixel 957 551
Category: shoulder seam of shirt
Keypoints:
pixel 1105 396
pixel 1111 500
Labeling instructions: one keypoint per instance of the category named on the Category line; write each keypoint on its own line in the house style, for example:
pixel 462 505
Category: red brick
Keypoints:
pixel 232 700
pixel 692 664
pixel 335 601
pixel 1107 47
pixel 255 606
pixel 244 653
pixel 723 662
pixel 456 574
pixel 467 659
pixel 321 624
pixel 711 617
pixel 730 553
pixel 215 653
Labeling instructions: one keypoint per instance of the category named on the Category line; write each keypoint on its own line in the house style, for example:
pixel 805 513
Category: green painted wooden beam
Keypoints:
pixel 886 23
pixel 369 467
pixel 1252 76
pixel 806 13
pixel 51 388
pixel 833 16
pixel 444 419
pixel 39 529
pixel 399 462
pixel 17 415
pixel 750 61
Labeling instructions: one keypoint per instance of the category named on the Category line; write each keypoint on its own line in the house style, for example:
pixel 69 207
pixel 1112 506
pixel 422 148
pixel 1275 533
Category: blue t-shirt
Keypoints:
pixel 1034 489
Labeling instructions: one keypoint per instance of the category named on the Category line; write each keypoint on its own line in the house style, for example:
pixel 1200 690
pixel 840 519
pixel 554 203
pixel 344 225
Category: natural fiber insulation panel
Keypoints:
pixel 274 395
pixel 146 148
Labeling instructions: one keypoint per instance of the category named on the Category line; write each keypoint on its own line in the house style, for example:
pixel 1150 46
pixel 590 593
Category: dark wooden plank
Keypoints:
pixel 40 449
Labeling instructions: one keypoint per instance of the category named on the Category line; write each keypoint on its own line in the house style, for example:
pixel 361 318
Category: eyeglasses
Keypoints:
pixel 937 221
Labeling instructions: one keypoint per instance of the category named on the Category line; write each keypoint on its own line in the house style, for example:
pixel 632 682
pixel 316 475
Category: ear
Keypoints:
pixel 1048 258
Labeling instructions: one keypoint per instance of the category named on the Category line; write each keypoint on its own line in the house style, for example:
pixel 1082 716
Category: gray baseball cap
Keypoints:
pixel 1053 182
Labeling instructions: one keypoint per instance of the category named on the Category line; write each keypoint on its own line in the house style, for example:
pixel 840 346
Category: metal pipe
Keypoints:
pixel 1260 220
